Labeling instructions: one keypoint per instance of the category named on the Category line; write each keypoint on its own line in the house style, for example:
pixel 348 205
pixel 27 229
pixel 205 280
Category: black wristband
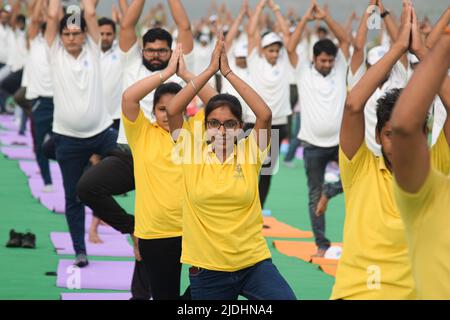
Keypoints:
pixel 384 14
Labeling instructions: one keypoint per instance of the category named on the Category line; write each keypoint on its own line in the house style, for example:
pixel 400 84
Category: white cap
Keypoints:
pixel 213 18
pixel 270 39
pixel 204 38
pixel 241 50
pixel 413 58
pixel 376 54
pixel 333 252
pixel 7 8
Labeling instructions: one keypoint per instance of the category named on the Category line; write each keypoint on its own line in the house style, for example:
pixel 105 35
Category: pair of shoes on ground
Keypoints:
pixel 21 240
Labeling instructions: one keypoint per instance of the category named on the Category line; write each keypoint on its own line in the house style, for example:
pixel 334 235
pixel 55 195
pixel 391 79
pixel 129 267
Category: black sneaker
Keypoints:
pixel 81 260
pixel 15 239
pixel 29 241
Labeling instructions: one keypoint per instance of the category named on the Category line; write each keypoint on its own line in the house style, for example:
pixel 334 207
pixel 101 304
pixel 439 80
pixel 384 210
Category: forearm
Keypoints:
pixel 132 14
pixel 206 93
pixel 183 24
pixel 281 21
pixel 412 107
pixel 338 30
pixel 391 27
pixel 254 20
pixel 296 36
pixel 438 29
pixel 91 19
pixel 123 5
pixel 231 35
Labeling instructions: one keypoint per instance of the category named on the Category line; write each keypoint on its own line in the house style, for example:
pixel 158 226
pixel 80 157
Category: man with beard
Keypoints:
pixel 115 174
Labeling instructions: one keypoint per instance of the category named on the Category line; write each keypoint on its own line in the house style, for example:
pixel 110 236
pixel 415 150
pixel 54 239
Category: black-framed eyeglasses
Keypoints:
pixel 216 124
pixel 159 52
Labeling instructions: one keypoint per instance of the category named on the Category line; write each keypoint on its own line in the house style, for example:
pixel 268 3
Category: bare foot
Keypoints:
pixel 319 254
pixel 137 254
pixel 322 206
pixel 94 238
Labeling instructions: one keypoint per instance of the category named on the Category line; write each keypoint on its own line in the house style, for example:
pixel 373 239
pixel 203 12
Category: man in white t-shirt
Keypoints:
pixel 112 71
pixel 322 90
pixel 115 174
pixel 269 69
pixel 81 122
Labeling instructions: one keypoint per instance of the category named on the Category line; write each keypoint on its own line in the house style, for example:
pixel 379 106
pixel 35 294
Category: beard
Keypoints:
pixel 155 67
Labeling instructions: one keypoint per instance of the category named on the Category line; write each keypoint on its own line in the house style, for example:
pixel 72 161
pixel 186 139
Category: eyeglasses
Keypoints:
pixel 159 52
pixel 73 34
pixel 216 124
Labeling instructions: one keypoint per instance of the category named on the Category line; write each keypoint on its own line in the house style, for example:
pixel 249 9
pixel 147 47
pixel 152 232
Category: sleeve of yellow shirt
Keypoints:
pixel 440 154
pixel 256 155
pixel 351 169
pixel 134 129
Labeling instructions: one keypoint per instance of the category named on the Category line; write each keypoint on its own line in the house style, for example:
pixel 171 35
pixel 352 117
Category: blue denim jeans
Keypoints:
pixel 42 120
pixel 73 156
pixel 262 281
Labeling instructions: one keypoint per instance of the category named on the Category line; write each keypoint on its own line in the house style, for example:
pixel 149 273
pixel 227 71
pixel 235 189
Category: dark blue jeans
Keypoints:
pixel 73 156
pixel 294 142
pixel 42 121
pixel 262 281
pixel 316 160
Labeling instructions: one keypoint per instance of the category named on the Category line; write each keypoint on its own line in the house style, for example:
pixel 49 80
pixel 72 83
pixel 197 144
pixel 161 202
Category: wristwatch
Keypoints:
pixel 384 14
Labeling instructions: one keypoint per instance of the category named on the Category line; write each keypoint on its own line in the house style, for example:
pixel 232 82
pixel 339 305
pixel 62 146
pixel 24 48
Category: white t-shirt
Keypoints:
pixel 39 80
pixel 18 52
pixel 440 115
pixel 271 83
pixel 112 70
pixel 244 74
pixel 78 95
pixel 134 71
pixel 5 34
pixel 322 100
pixel 397 79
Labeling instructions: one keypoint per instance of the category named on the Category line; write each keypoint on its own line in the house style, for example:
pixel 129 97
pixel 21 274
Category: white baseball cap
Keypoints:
pixel 241 50
pixel 376 54
pixel 204 38
pixel 270 39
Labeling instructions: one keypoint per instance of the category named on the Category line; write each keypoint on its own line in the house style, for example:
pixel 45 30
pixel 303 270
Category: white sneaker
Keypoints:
pixel 48 188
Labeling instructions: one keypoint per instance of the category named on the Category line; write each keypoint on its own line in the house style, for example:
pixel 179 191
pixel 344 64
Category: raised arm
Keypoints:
pixel 179 103
pixel 123 6
pixel 337 29
pixel 438 29
pixel 411 159
pixel 359 43
pixel 353 126
pixel 231 35
pixel 185 36
pixel 253 41
pixel 254 101
pixel 295 38
pixel 51 30
pixel 134 94
pixel 391 26
pixel 36 19
pixel 131 17
pixel 91 19
pixel 281 20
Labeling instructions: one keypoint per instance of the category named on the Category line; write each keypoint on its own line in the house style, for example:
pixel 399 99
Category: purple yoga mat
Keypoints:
pixel 299 153
pixel 36 185
pixel 56 203
pixel 96 296
pixel 101 228
pixel 10 140
pixel 31 168
pixel 99 275
pixel 17 153
pixel 113 246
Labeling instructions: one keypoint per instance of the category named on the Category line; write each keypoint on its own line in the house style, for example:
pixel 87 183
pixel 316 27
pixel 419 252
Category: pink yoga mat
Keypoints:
pixel 36 185
pixel 17 153
pixel 100 275
pixel 96 296
pixel 56 203
pixel 10 140
pixel 31 168
pixel 113 246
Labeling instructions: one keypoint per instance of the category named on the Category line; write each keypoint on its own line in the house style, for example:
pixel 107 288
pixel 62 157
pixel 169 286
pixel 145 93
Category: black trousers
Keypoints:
pixel 114 175
pixel 162 261
pixel 265 179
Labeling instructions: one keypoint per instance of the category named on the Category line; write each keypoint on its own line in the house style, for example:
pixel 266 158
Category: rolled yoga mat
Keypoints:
pixel 99 275
pixel 114 245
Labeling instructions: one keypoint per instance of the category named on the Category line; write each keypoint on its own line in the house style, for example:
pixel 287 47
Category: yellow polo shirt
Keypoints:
pixel 222 219
pixel 374 262
pixel 159 194
pixel 426 215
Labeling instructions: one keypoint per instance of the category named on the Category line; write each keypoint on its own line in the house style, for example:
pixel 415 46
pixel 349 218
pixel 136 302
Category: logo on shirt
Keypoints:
pixel 86 64
pixel 238 174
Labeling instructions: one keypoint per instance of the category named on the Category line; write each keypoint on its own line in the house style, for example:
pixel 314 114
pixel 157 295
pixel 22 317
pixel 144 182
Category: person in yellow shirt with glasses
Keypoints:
pixel 159 197
pixel 422 188
pixel 375 262
pixel 222 216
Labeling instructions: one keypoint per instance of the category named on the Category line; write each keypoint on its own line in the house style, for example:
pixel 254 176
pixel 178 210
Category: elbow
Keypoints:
pixel 267 115
pixel 351 106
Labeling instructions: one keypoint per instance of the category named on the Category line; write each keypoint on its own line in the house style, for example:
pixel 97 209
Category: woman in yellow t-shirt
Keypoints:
pixel 222 218
pixel 158 207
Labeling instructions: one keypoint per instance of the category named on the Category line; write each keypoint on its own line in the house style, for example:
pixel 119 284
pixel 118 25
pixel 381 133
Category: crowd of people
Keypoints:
pixel 192 118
